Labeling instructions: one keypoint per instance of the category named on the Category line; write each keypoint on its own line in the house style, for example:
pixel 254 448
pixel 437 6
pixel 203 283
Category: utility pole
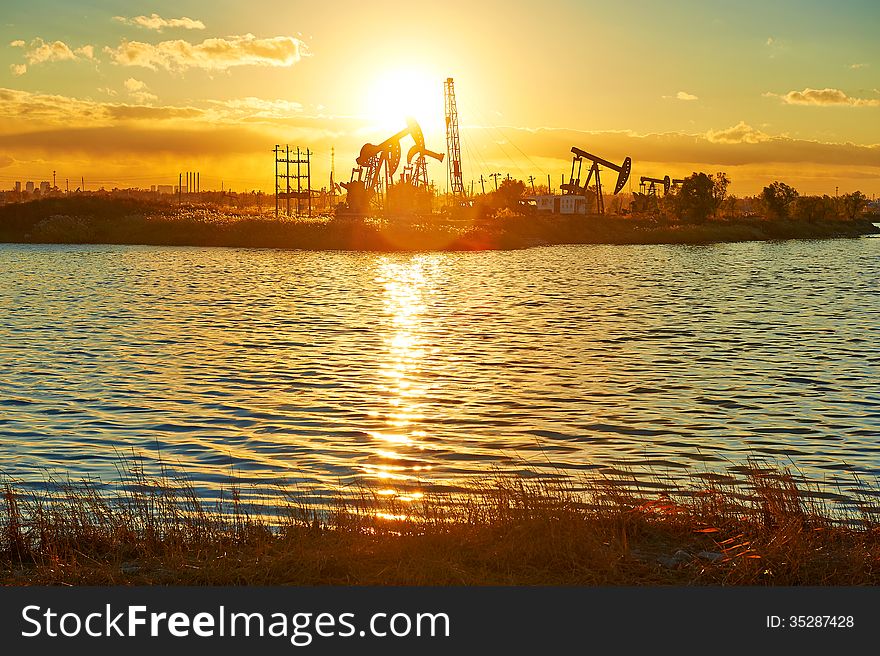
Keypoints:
pixel 532 181
pixel 495 176
pixel 276 180
pixel 549 188
pixel 54 187
pixel 483 183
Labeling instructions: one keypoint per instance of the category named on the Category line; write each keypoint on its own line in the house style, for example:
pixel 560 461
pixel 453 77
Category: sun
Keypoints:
pixel 402 93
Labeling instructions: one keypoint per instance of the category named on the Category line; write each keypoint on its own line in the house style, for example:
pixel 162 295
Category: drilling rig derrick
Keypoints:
pixel 453 144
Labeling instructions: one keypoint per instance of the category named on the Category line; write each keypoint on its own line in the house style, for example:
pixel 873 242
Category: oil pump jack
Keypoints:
pixel 652 189
pixel 378 163
pixel 573 186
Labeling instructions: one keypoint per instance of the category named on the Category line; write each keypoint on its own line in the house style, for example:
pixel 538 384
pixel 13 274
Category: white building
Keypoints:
pixel 29 187
pixel 44 188
pixel 165 189
pixel 18 186
pixel 565 204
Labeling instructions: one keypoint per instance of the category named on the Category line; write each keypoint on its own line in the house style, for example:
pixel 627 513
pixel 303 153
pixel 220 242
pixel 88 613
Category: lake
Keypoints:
pixel 423 372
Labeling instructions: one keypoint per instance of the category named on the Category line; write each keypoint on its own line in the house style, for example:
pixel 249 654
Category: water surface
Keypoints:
pixel 424 371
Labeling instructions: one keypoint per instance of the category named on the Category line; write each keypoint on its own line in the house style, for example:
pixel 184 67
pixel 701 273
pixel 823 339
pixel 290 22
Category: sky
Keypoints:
pixel 129 94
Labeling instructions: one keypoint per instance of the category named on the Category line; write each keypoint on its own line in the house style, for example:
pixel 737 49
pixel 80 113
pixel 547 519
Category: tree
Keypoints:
pixel 719 190
pixel 813 208
pixel 853 204
pixel 696 199
pixel 509 194
pixel 777 198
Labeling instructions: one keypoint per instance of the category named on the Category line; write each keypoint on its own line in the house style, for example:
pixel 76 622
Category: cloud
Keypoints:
pixel 42 52
pixel 39 110
pixel 156 22
pixel 856 67
pixel 138 91
pixel 739 133
pixel 681 95
pixel 824 98
pixel 251 107
pixel 86 52
pixel 211 54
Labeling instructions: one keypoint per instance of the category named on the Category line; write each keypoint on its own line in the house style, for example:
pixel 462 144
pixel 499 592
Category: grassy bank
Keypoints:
pixel 107 220
pixel 506 531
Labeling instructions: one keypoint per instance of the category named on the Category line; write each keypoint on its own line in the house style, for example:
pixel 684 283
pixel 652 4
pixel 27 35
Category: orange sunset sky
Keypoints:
pixel 132 93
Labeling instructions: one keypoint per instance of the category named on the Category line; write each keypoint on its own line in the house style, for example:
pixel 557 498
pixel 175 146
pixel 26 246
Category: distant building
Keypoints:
pixel 29 187
pixel 565 204
pixel 18 187
pixel 165 189
pixel 153 188
pixel 44 188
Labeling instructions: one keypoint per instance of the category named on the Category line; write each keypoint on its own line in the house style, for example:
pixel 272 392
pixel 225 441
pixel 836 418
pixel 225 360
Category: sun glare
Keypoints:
pixel 404 93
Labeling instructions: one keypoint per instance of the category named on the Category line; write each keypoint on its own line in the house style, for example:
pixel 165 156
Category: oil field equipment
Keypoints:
pixel 453 145
pixel 652 189
pixel 573 186
pixel 378 163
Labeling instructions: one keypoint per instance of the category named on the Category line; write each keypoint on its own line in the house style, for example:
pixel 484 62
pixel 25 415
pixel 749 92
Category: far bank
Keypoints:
pixel 109 220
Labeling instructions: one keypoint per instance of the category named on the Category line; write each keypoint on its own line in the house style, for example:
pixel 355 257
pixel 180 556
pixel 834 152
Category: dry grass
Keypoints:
pixel 505 531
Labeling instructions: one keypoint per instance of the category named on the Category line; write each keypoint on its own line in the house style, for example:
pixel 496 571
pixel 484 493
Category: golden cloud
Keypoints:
pixel 823 98
pixel 42 52
pixel 739 133
pixel 156 22
pixel 138 91
pixel 211 54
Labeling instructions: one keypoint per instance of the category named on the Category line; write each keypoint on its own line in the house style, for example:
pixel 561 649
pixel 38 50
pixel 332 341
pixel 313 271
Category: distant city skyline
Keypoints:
pixel 129 94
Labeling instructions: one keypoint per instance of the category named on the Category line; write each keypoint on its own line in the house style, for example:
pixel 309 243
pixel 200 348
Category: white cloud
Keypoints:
pixel 18 69
pixel 856 67
pixel 18 43
pixel 823 98
pixel 211 54
pixel 683 95
pixel 156 22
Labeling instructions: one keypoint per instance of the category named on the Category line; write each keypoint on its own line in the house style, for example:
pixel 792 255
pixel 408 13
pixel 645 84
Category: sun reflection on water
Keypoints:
pixel 397 445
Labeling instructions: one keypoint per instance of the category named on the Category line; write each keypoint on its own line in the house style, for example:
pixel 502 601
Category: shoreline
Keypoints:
pixel 504 531
pixel 127 222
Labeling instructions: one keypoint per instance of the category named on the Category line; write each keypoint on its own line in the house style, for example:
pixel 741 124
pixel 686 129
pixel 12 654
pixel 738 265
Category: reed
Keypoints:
pixel 504 530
